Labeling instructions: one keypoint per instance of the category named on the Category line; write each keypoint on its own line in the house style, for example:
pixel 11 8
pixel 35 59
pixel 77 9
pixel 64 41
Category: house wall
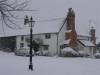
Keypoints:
pixel 87 50
pixel 52 42
pixel 80 46
pixel 61 37
pixel 18 41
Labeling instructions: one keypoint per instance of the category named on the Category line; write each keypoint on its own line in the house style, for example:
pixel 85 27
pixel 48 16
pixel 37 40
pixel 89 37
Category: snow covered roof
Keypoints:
pixel 39 28
pixel 87 43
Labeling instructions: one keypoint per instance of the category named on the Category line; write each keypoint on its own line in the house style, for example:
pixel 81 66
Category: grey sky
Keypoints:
pixel 85 10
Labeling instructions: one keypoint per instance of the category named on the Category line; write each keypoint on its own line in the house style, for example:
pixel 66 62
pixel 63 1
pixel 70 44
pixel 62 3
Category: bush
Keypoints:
pixel 69 54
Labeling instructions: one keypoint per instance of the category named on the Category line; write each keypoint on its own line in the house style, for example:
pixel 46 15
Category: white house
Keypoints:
pixel 54 36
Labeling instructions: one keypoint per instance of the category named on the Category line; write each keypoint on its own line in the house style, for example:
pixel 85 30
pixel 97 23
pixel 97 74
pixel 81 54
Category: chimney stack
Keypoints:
pixel 70 26
pixel 92 33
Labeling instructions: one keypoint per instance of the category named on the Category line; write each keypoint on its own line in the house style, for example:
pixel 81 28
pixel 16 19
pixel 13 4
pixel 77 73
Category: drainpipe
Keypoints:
pixel 57 43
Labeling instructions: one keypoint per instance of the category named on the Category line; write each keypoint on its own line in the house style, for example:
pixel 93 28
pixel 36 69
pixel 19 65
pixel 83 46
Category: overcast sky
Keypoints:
pixel 87 12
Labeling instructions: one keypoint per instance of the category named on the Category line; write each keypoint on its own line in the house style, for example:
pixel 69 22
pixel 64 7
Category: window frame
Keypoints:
pixel 47 36
pixel 21 45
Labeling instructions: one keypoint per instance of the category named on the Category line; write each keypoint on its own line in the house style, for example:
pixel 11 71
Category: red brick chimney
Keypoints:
pixel 70 29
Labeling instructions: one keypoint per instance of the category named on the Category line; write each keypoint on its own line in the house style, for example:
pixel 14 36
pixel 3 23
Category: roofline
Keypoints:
pixel 26 34
pixel 81 42
pixel 84 35
pixel 85 45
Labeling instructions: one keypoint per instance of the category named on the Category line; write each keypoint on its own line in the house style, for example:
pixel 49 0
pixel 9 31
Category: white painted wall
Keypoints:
pixel 52 42
pixel 18 41
pixel 86 50
pixel 80 46
pixel 61 37
pixel 89 50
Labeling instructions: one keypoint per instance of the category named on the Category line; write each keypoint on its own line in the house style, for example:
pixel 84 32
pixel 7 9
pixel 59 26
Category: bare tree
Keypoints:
pixel 6 11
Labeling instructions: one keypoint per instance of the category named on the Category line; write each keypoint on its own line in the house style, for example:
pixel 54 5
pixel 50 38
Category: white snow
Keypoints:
pixel 97 54
pixel 68 31
pixel 68 49
pixel 16 65
pixel 45 52
pixel 87 43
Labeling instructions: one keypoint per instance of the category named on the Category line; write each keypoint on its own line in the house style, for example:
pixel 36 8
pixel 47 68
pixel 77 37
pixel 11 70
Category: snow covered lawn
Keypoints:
pixel 16 65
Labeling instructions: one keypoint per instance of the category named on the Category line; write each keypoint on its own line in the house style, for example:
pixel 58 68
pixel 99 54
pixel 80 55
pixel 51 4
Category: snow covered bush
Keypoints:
pixel 23 51
pixel 42 53
pixel 82 54
pixel 97 55
pixel 68 52
pixel 45 53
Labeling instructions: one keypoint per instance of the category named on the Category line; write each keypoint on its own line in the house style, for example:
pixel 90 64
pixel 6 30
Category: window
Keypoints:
pixel 21 45
pixel 47 36
pixel 46 47
pixel 22 38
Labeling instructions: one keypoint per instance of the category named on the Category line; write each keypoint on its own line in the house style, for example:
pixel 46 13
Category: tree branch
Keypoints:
pixel 6 11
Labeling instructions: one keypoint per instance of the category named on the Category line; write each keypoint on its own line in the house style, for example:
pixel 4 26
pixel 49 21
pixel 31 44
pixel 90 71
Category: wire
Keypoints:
pixel 46 20
pixel 52 19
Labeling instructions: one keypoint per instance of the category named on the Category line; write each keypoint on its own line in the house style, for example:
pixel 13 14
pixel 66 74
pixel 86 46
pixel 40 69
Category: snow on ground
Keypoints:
pixel 17 65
